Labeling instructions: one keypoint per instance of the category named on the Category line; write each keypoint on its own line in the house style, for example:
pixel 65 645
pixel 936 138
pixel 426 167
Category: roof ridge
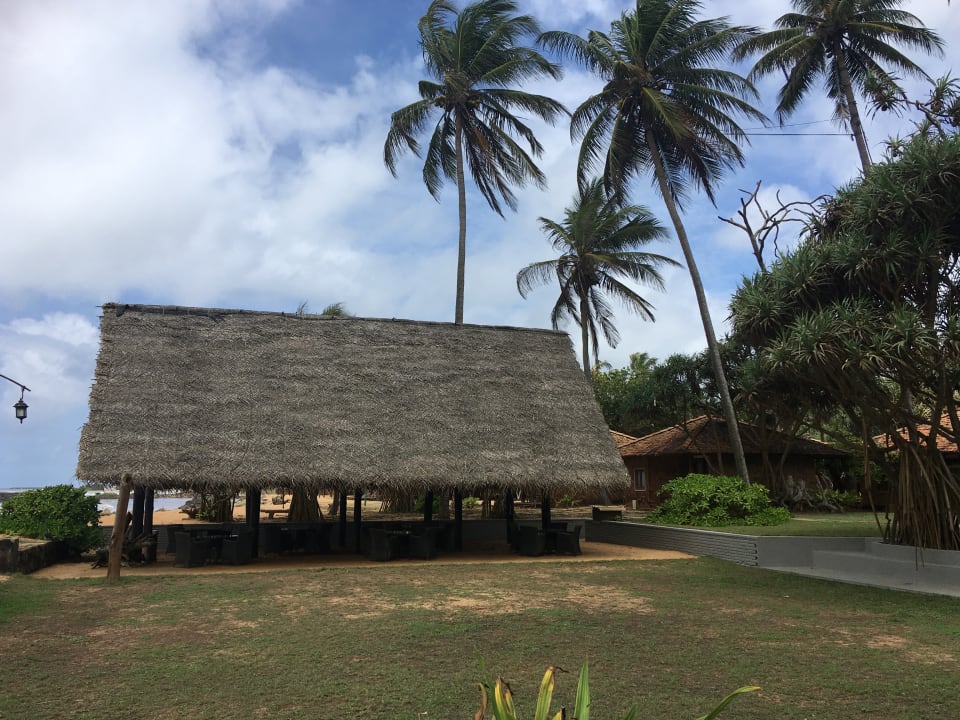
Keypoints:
pixel 122 308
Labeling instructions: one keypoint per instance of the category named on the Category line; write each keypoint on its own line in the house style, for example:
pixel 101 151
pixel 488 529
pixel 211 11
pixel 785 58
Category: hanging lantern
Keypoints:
pixel 20 408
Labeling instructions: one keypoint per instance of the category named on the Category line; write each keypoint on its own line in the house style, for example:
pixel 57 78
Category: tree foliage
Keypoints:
pixel 476 60
pixel 667 110
pixel 847 43
pixel 58 512
pixel 864 317
pixel 648 395
pixel 715 501
pixel 598 242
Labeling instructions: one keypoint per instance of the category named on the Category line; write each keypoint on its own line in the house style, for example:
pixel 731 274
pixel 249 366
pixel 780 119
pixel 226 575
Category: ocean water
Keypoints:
pixel 109 506
pixel 159 503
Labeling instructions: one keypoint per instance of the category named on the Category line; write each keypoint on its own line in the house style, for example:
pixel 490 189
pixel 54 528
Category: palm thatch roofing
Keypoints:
pixel 705 435
pixel 217 399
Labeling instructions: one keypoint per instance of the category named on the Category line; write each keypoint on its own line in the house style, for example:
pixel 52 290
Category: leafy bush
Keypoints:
pixel 503 708
pixel 421 504
pixel 470 502
pixel 836 501
pixel 567 501
pixel 714 501
pixel 60 512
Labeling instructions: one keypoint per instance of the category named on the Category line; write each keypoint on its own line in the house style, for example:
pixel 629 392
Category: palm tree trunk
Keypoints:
pixel 856 126
pixel 585 338
pixel 462 206
pixel 713 348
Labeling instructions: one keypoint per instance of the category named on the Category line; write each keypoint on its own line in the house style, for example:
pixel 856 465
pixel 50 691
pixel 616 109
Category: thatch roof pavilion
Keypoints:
pixel 229 399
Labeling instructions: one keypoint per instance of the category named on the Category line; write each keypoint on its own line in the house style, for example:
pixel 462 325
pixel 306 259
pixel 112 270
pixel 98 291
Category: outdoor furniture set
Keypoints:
pixel 200 545
pixel 390 541
pixel 561 538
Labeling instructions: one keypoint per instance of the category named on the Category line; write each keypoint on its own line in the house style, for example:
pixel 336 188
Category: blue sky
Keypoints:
pixel 228 153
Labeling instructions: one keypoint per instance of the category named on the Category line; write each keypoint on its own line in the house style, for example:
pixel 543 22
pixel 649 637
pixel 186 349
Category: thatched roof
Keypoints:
pixel 704 435
pixel 192 397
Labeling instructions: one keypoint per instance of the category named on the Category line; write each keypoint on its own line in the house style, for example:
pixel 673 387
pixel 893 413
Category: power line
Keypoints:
pixel 779 134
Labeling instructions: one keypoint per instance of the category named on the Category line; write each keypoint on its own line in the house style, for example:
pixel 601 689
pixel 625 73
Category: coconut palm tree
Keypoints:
pixel 664 109
pixel 476 59
pixel 847 43
pixel 597 240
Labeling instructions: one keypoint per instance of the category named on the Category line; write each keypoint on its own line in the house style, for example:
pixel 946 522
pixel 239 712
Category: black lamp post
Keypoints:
pixel 19 407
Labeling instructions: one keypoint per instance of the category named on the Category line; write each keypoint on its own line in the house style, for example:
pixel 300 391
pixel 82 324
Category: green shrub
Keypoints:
pixel 715 501
pixel 59 512
pixel 470 502
pixel 836 501
pixel 421 503
pixel 566 502
pixel 498 698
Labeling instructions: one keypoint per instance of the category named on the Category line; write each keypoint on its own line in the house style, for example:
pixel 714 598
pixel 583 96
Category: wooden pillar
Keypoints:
pixel 458 520
pixel 428 507
pixel 139 498
pixel 342 519
pixel 119 525
pixel 509 513
pixel 252 511
pixel 357 516
pixel 148 512
pixel 545 511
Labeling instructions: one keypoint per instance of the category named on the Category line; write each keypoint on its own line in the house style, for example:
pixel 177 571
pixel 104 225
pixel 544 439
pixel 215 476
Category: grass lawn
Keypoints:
pixel 853 524
pixel 403 641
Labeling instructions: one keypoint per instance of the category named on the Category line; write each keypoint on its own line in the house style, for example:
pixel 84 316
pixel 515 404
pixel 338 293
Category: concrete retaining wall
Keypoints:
pixel 741 549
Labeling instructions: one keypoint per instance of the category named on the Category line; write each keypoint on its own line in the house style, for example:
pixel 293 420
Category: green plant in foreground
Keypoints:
pixel 503 707
pixel 715 501
pixel 59 512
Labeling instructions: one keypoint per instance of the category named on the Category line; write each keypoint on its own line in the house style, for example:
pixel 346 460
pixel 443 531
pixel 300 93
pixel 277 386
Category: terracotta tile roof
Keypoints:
pixel 704 435
pixel 944 444
pixel 622 439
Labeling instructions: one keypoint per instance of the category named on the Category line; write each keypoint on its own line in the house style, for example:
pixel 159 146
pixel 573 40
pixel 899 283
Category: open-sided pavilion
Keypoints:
pixel 229 400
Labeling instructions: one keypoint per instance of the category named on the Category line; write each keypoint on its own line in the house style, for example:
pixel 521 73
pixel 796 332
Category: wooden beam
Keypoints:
pixel 342 519
pixel 545 511
pixel 119 528
pixel 357 515
pixel 253 519
pixel 148 512
pixel 139 501
pixel 457 520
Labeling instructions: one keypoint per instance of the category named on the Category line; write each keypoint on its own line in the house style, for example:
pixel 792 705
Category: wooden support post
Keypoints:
pixel 148 512
pixel 509 513
pixel 357 516
pixel 458 520
pixel 139 499
pixel 545 511
pixel 342 519
pixel 253 519
pixel 119 526
pixel 428 507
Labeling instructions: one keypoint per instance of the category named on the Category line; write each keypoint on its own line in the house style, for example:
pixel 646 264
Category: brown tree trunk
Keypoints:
pixel 462 240
pixel 585 339
pixel 119 530
pixel 856 126
pixel 304 507
pixel 713 348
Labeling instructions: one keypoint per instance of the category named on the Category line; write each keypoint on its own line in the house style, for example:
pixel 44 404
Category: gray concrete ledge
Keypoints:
pixel 858 560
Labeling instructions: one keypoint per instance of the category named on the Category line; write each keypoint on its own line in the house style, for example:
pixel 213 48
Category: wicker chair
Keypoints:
pixel 423 544
pixel 531 540
pixel 383 545
pixel 191 551
pixel 568 542
pixel 237 550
